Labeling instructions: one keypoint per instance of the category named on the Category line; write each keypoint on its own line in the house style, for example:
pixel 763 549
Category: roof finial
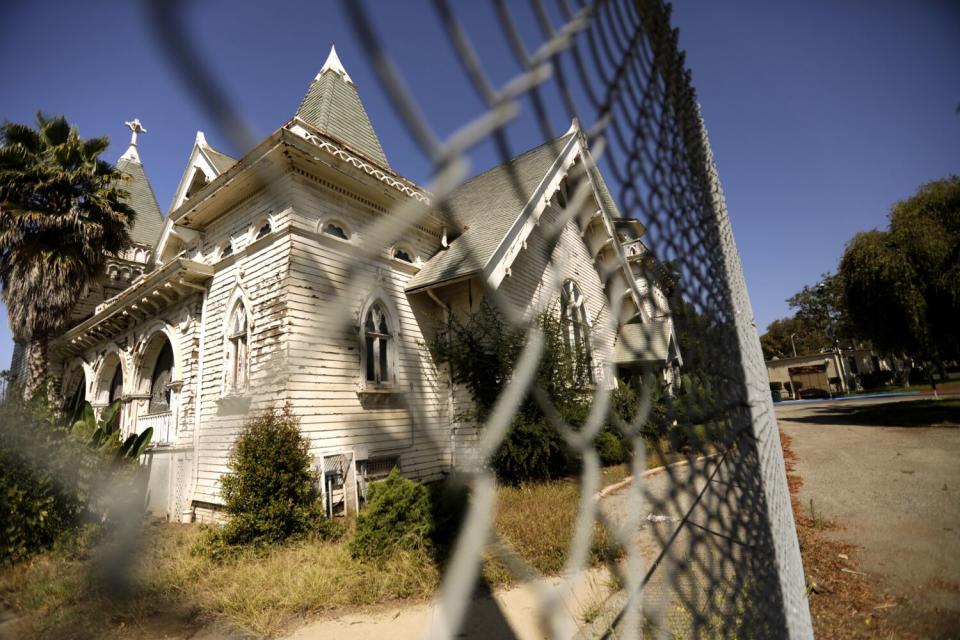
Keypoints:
pixel 333 64
pixel 135 127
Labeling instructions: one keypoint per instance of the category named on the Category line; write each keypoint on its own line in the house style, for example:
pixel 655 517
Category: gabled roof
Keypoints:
pixel 206 161
pixel 220 160
pixel 149 220
pixel 332 105
pixel 486 207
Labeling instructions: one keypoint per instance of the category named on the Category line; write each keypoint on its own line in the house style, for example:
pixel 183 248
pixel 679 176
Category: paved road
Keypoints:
pixel 896 492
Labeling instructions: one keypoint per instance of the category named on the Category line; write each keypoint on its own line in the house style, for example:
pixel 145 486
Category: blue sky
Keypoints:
pixel 821 114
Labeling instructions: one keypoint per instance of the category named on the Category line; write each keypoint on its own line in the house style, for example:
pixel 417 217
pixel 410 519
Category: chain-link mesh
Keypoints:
pixel 710 548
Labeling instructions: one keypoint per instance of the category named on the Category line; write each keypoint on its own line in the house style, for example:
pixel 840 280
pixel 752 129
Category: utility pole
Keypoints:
pixel 793 344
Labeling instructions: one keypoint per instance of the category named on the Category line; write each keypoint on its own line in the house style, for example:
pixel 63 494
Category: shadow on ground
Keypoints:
pixel 907 413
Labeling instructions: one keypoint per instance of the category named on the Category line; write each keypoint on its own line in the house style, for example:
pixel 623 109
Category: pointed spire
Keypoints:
pixel 333 106
pixel 149 221
pixel 333 64
pixel 131 152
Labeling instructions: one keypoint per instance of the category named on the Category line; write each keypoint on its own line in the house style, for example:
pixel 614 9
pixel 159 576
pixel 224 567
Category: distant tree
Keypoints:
pixel 902 285
pixel 820 311
pixel 776 341
pixel 61 216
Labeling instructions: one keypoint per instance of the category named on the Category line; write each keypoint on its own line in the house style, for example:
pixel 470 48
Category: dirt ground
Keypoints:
pixel 893 496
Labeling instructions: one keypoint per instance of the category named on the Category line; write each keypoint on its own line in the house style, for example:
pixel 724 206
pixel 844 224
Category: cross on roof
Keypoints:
pixel 135 127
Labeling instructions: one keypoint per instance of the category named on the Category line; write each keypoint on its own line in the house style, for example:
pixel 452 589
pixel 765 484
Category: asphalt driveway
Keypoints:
pixel 895 491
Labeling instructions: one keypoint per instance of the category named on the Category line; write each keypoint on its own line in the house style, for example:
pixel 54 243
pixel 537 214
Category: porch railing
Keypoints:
pixel 163 426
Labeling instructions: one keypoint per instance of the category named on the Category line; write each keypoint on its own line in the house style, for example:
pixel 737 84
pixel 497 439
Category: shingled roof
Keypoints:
pixel 333 106
pixel 148 224
pixel 487 206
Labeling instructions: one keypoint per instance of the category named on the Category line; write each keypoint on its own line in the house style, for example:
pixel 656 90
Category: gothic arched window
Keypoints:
pixel 160 380
pixel 236 349
pixel 116 385
pixel 377 337
pixel 576 329
pixel 116 393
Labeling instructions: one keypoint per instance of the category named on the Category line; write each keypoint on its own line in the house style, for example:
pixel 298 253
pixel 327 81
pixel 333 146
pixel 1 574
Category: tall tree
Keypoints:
pixel 902 285
pixel 821 312
pixel 62 215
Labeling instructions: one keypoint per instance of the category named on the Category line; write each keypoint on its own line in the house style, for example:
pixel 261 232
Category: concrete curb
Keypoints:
pixel 603 493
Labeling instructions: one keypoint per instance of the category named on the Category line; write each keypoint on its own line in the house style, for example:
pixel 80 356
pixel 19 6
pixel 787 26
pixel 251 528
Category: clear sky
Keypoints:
pixel 821 113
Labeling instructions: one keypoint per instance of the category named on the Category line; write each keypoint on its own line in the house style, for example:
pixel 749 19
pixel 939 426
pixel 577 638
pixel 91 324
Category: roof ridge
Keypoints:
pixel 517 157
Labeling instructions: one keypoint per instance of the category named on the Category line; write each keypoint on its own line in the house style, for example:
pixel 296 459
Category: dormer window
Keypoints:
pixel 198 182
pixel 336 230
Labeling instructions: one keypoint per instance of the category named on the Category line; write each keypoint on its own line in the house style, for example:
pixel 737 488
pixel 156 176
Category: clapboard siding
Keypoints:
pixel 327 290
pixel 259 269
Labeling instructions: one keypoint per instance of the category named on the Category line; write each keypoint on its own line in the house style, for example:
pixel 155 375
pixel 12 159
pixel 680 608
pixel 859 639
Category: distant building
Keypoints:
pixel 830 371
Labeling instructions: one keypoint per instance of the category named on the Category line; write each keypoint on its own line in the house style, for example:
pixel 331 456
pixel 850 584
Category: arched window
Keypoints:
pixel 377 337
pixel 73 404
pixel 236 351
pixel 160 380
pixel 576 328
pixel 403 254
pixel 227 250
pixel 116 393
pixel 264 229
pixel 116 385
pixel 336 230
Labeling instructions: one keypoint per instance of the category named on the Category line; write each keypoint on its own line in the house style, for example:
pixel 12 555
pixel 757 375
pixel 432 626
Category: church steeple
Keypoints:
pixel 333 106
pixel 148 223
pixel 333 64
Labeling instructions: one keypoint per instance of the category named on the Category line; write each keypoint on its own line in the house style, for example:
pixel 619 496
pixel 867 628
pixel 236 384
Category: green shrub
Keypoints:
pixel 55 482
pixel 398 516
pixel 610 448
pixel 270 493
pixel 532 450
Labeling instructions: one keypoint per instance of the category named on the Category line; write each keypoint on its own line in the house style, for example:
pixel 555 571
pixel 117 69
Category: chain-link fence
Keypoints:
pixel 709 547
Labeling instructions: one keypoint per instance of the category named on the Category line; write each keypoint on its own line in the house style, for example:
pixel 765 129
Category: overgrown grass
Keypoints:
pixel 264 591
pixel 538 520
pixel 258 591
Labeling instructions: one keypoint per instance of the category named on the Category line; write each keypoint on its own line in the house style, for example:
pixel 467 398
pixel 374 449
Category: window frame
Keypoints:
pixel 226 250
pixel 340 224
pixel 414 261
pixel 257 230
pixel 383 348
pixel 236 349
pixel 575 322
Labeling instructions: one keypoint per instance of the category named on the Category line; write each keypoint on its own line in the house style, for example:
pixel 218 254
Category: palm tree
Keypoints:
pixel 62 214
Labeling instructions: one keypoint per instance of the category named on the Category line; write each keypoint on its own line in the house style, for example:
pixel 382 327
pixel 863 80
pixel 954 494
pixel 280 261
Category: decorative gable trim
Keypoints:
pixel 301 128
